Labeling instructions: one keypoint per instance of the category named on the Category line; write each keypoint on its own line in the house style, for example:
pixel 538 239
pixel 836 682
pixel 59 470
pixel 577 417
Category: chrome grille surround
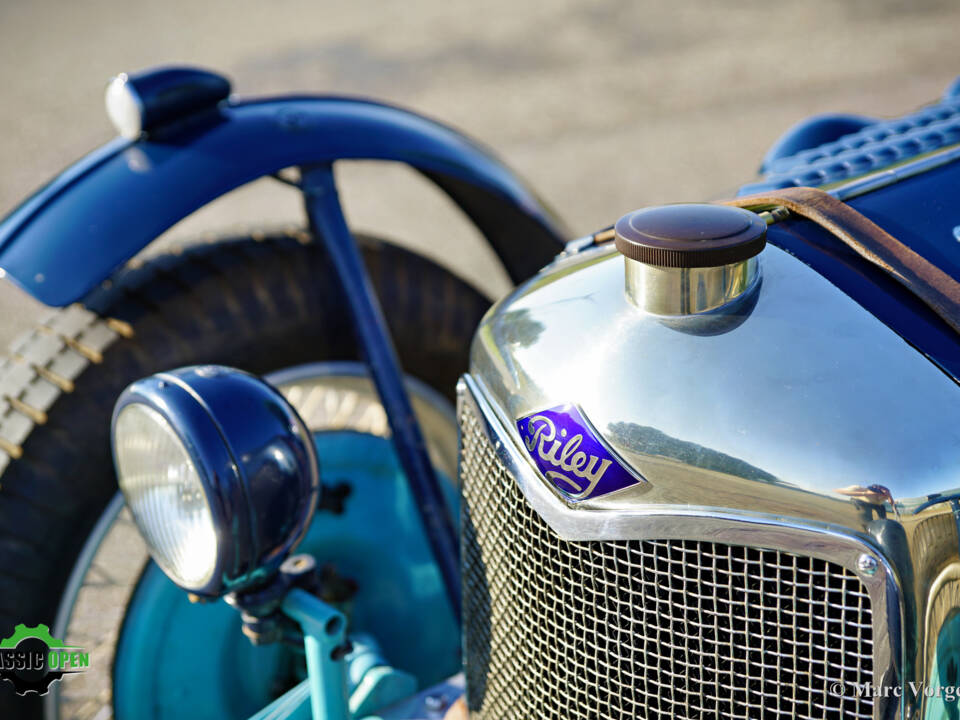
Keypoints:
pixel 647 614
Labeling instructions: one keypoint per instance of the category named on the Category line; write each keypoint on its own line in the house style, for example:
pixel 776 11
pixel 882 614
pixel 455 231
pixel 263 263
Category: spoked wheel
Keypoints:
pixel 258 303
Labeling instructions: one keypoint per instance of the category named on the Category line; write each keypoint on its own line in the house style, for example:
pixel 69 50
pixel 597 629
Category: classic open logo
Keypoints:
pixel 32 658
pixel 571 454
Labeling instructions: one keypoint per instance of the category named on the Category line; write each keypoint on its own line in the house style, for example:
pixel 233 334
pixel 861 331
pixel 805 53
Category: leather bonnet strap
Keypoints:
pixel 921 277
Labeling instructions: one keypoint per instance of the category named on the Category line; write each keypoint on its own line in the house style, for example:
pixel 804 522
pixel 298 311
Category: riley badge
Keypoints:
pixel 569 453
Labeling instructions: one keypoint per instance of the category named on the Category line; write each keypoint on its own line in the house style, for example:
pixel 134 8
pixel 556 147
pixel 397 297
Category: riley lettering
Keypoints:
pixel 570 455
pixel 570 459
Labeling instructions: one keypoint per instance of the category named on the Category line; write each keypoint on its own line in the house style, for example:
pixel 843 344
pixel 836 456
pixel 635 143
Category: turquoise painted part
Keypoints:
pixel 292 705
pixel 173 654
pixel 372 683
pixel 945 673
pixel 379 542
pixel 324 629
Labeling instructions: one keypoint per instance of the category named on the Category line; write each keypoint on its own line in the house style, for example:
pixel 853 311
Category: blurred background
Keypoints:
pixel 602 106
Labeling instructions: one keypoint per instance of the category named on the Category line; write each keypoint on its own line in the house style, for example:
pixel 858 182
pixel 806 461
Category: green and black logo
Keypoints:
pixel 32 658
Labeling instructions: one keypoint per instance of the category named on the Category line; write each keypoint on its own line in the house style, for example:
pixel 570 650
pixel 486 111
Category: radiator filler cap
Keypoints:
pixel 690 235
pixel 689 258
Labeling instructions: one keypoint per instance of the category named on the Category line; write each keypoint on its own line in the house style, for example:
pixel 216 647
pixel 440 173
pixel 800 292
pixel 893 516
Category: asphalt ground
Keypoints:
pixel 603 107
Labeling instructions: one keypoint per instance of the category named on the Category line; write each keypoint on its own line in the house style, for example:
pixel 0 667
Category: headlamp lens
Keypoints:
pixel 165 495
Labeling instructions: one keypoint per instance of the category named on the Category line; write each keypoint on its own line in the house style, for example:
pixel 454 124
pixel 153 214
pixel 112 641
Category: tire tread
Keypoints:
pixel 258 302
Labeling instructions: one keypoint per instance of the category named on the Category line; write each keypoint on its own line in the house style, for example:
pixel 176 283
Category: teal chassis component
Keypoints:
pixel 173 653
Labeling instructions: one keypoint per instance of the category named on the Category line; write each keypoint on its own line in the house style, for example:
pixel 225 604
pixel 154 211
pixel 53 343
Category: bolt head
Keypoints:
pixel 297 565
pixel 435 703
pixel 867 564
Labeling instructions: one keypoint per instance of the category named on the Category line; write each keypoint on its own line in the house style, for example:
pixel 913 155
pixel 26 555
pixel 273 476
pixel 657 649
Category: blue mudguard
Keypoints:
pixel 76 231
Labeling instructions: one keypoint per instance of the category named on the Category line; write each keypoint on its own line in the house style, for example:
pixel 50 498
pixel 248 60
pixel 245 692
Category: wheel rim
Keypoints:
pixel 338 403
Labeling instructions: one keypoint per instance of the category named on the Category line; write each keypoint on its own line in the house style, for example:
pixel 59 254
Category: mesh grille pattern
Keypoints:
pixel 646 629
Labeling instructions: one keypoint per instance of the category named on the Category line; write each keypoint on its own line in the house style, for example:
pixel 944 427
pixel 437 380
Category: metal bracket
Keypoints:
pixel 345 679
pixel 323 695
pixel 327 220
pixel 324 641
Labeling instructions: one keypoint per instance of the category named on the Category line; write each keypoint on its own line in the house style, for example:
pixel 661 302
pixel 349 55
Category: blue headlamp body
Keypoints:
pixel 255 459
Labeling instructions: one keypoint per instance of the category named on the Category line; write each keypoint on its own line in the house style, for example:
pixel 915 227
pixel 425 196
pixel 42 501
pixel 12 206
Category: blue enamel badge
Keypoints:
pixel 569 453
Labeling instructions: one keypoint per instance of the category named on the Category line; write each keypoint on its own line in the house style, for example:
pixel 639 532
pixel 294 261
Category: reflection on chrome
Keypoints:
pixel 792 426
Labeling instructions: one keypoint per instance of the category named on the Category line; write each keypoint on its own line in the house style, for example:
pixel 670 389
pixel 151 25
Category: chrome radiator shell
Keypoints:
pixel 795 408
pixel 561 621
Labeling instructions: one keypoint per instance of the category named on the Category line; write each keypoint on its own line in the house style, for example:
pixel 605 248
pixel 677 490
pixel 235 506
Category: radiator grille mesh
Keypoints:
pixel 646 629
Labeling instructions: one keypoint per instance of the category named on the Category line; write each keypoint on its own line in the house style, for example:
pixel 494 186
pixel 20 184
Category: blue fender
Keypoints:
pixel 73 233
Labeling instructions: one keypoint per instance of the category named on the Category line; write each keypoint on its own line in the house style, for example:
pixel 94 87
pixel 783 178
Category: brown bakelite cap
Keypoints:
pixel 690 235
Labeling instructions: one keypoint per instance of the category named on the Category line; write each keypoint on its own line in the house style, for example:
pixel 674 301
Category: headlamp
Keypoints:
pixel 219 473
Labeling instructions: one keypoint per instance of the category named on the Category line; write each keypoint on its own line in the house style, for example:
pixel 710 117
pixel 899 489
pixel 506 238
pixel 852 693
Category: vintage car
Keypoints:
pixel 700 460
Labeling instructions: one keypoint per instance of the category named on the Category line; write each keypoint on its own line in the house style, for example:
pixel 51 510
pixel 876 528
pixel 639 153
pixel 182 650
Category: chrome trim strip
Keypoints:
pixel 880 179
pixel 576 523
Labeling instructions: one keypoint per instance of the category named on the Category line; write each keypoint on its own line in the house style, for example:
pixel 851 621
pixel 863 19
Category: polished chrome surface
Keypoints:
pixel 684 612
pixel 689 258
pixel 797 389
pixel 686 291
pixel 795 406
